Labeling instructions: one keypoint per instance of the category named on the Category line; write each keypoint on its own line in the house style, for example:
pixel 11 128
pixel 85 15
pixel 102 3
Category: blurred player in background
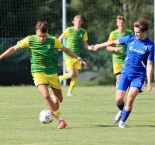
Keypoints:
pixel 119 51
pixel 44 65
pixel 75 36
pixel 138 65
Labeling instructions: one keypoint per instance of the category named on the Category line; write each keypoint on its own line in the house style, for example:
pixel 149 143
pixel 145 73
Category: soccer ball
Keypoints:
pixel 46 116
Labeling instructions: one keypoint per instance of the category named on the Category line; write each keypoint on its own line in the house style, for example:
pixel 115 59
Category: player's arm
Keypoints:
pixel 89 47
pixel 60 37
pixel 105 44
pixel 72 54
pixel 113 49
pixel 149 74
pixel 65 34
pixel 9 51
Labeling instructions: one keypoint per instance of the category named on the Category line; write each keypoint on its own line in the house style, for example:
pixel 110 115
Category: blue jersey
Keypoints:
pixel 138 52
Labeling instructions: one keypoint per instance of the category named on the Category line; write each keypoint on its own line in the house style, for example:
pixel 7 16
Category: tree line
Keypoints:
pixel 18 19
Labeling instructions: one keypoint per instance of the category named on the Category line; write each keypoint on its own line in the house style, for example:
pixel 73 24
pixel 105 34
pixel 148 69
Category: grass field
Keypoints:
pixel 89 115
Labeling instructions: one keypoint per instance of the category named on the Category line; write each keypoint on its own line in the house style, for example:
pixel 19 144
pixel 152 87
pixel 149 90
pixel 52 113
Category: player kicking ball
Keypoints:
pixel 44 66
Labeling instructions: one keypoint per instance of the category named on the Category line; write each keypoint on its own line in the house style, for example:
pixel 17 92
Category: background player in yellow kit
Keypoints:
pixel 75 36
pixel 119 51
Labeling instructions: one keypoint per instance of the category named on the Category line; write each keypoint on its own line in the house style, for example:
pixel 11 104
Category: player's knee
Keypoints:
pixel 119 100
pixel 70 75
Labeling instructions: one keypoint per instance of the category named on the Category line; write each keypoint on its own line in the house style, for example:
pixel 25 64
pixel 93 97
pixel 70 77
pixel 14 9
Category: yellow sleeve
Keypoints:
pixel 85 37
pixel 111 37
pixel 58 44
pixel 24 43
pixel 65 34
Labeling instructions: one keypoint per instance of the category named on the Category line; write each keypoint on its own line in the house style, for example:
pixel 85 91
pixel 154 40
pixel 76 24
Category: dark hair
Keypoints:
pixel 141 24
pixel 42 26
pixel 119 17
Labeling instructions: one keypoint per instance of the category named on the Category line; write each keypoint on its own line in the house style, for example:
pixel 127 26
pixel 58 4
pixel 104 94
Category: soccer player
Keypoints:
pixel 75 36
pixel 138 65
pixel 119 51
pixel 44 66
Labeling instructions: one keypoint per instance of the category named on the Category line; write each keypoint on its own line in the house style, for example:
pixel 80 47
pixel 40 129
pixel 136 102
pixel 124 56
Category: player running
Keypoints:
pixel 138 65
pixel 75 36
pixel 44 65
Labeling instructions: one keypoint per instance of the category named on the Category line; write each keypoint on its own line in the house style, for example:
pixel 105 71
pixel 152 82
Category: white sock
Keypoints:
pixel 60 118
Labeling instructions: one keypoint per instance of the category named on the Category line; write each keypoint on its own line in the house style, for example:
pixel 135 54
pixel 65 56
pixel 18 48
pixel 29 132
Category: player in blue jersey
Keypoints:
pixel 138 65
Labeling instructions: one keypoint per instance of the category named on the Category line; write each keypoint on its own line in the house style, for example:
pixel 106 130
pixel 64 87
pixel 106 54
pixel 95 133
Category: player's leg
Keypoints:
pixel 57 97
pixel 69 68
pixel 43 89
pixel 77 66
pixel 121 87
pixel 128 107
pixel 117 77
pixel 73 82
pixel 117 69
pixel 58 94
pixel 40 81
pixel 120 104
pixel 136 86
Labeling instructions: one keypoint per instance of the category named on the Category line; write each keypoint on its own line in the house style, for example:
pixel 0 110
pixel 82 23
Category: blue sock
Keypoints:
pixel 121 106
pixel 125 115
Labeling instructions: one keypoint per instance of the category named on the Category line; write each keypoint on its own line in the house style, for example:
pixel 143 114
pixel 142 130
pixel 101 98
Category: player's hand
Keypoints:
pixel 117 49
pixel 91 47
pixel 96 47
pixel 149 87
pixel 84 63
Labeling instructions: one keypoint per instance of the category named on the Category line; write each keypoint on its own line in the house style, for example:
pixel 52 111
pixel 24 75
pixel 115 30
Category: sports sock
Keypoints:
pixel 60 118
pixel 125 115
pixel 56 114
pixel 64 76
pixel 72 84
pixel 121 106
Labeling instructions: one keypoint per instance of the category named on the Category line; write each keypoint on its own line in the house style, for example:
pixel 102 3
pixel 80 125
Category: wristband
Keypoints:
pixel 79 58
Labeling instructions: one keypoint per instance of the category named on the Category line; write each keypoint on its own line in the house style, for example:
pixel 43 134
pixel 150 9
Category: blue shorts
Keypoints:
pixel 126 81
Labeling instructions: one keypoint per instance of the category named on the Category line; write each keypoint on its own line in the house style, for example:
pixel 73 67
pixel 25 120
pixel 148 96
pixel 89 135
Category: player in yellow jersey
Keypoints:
pixel 44 66
pixel 119 51
pixel 75 36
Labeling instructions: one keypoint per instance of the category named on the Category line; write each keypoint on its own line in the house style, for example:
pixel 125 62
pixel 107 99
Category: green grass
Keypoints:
pixel 89 115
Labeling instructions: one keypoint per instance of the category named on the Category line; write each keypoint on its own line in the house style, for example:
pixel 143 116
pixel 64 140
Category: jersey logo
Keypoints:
pixel 48 46
pixel 81 35
pixel 145 47
pixel 136 50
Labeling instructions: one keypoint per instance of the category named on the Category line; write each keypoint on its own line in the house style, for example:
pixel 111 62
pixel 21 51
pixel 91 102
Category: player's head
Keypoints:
pixel 120 22
pixel 41 30
pixel 77 21
pixel 141 24
pixel 140 28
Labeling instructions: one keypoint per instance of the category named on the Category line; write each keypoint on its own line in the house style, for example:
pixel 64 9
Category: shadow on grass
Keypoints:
pixel 128 126
pixel 142 126
pixel 106 125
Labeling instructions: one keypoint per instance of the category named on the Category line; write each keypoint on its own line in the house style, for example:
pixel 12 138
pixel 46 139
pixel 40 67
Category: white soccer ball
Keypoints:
pixel 46 116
